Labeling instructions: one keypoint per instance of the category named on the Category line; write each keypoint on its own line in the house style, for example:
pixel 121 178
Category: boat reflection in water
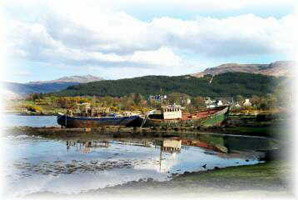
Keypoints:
pixel 88 162
pixel 169 149
pixel 171 145
pixel 87 146
pixel 167 145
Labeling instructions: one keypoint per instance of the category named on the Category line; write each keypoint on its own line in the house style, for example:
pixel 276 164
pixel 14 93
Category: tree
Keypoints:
pixel 137 98
pixel 198 102
pixel 240 99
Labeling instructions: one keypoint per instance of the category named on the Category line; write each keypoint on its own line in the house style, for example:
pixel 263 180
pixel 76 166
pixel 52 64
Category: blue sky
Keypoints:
pixel 116 39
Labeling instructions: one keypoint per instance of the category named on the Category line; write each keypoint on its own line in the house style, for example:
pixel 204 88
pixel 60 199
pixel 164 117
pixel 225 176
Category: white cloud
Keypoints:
pixel 198 5
pixel 23 73
pixel 240 35
pixel 94 34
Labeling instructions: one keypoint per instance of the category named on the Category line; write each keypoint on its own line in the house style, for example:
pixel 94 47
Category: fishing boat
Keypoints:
pixel 94 122
pixel 213 117
pixel 173 115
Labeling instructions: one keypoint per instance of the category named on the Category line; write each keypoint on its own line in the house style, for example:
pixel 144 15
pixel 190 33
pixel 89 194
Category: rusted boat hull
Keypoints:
pixel 94 122
pixel 208 118
pixel 202 114
pixel 215 119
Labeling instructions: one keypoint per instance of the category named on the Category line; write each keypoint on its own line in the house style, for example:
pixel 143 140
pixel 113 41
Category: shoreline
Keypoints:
pixel 262 179
pixel 56 131
pixel 220 178
pixel 244 124
pixel 27 114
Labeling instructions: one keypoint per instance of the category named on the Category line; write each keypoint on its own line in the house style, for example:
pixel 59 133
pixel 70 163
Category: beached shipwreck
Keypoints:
pixel 167 115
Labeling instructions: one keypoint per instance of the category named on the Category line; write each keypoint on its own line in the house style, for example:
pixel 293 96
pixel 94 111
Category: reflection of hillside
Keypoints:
pixel 244 144
pixel 230 147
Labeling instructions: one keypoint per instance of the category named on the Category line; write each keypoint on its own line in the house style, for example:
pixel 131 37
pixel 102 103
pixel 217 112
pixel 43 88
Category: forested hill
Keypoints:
pixel 227 84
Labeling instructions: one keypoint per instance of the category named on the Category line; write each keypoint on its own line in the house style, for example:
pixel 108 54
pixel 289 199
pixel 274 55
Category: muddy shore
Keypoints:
pixel 266 176
pixel 268 131
pixel 263 180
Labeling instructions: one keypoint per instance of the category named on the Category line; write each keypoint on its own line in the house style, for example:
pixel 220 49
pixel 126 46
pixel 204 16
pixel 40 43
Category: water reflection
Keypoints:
pixel 55 165
pixel 87 146
pixel 222 147
pixel 173 145
pixel 34 164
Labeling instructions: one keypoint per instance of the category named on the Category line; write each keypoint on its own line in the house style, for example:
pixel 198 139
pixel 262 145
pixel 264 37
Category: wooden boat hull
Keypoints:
pixel 94 122
pixel 210 118
pixel 215 119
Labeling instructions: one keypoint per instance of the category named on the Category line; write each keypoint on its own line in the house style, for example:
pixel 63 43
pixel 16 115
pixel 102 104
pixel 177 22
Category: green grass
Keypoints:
pixel 270 170
pixel 250 180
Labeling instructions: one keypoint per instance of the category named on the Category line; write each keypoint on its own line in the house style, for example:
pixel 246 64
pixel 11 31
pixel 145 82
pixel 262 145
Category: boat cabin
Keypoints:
pixel 171 112
pixel 167 112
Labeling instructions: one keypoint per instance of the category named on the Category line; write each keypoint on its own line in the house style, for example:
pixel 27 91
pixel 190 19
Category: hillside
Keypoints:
pixel 22 89
pixel 228 84
pixel 277 69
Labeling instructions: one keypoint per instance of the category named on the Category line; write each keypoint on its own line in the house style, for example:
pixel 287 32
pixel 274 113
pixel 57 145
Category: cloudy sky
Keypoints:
pixel 114 39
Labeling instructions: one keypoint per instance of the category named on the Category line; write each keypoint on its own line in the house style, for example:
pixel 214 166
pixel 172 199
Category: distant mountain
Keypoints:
pixel 277 69
pixel 18 89
pixel 231 79
pixel 227 84
pixel 23 89
pixel 71 79
pixel 8 94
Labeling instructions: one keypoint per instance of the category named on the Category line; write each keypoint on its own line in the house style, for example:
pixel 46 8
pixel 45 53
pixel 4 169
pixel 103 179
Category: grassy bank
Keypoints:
pixel 263 178
pixel 254 181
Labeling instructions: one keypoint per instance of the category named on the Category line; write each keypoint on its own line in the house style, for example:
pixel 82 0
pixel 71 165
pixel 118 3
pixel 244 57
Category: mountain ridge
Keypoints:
pixel 71 79
pixel 274 69
pixel 277 69
pixel 17 90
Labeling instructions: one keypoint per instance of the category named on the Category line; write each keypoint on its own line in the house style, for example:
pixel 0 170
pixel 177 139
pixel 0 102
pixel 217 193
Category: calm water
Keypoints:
pixel 35 164
pixel 34 121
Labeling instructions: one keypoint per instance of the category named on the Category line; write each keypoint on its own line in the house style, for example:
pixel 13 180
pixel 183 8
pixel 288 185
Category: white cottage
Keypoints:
pixel 219 103
pixel 247 103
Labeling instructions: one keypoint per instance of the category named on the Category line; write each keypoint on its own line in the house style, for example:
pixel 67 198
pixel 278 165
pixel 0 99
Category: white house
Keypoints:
pixel 213 103
pixel 237 105
pixel 188 101
pixel 247 103
pixel 219 103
